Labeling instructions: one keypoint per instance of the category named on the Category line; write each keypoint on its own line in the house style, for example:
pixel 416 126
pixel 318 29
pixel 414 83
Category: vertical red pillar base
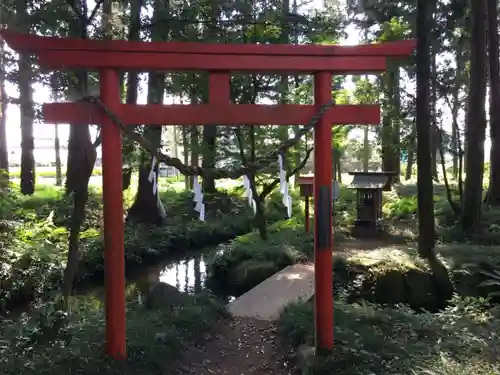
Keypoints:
pixel 323 241
pixel 114 253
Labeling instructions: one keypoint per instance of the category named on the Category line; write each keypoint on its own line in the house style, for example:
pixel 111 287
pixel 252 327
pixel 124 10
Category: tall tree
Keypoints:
pixel 26 107
pixel 208 149
pixel 128 146
pixel 476 119
pixel 147 206
pixel 4 154
pixel 493 197
pixel 81 154
pixel 426 225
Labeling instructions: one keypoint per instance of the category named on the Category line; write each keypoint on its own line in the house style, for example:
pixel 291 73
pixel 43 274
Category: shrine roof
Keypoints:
pixel 369 181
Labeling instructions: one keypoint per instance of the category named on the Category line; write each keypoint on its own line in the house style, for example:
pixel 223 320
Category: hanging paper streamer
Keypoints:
pixel 248 194
pixel 198 198
pixel 287 199
pixel 152 175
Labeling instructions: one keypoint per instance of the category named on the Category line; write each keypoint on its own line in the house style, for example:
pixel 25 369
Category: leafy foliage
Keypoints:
pixel 48 341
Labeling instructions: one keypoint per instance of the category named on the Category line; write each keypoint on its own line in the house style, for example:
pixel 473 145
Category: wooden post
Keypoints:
pixel 323 297
pixel 114 253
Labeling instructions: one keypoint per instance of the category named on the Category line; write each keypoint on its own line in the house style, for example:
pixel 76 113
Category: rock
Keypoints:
pixel 249 274
pixel 413 287
pixel 421 290
pixel 390 288
pixel 163 295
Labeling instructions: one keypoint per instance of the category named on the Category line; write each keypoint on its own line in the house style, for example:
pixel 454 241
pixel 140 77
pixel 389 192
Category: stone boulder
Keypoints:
pixel 162 295
pixel 249 274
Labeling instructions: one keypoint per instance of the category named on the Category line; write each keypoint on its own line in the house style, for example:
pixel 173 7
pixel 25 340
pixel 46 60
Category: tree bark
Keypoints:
pixel 81 160
pixel 57 150
pixel 4 153
pixel 426 225
pixel 26 109
pixel 476 120
pixel 195 150
pixel 493 57
pixel 128 146
pixel 147 207
pixel 208 162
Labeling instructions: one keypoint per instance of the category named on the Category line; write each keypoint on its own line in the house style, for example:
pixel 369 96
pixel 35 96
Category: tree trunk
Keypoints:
pixel 185 151
pixel 411 152
pixel 147 207
pixel 396 125
pixel 390 123
pixel 209 153
pixel 454 128
pixel 57 150
pixel 434 133
pixel 26 109
pixel 195 148
pixel 81 160
pixel 366 150
pixel 493 46
pixel 426 226
pixel 128 146
pixel 409 165
pixel 427 236
pixel 4 154
pixel 209 136
pixel 283 85
pixel 476 120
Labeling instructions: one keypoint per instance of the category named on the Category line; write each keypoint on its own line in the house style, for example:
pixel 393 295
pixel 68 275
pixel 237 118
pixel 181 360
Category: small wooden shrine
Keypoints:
pixel 369 186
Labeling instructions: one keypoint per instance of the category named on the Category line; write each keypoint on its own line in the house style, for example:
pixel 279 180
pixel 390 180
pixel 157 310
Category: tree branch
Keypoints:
pixel 270 187
pixel 93 14
pixel 74 8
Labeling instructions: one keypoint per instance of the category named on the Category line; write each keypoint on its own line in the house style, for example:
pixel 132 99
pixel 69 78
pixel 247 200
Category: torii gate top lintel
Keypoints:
pixel 68 53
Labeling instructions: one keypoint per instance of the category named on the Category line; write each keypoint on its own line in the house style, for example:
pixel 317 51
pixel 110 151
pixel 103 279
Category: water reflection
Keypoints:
pixel 188 274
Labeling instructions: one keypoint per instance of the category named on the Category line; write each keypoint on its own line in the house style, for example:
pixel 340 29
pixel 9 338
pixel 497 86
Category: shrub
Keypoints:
pixel 47 342
pixel 287 244
pixel 381 341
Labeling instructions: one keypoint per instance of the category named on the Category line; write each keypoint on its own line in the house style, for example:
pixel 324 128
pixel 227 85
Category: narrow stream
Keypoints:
pixel 187 273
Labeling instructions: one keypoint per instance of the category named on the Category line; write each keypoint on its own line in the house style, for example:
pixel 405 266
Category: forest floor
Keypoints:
pixel 241 346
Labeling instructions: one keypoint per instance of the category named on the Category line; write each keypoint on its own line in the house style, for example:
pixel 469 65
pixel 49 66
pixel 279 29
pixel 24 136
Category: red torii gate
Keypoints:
pixel 111 57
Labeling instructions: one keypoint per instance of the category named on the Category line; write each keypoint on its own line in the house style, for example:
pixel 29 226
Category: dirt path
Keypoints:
pixel 239 347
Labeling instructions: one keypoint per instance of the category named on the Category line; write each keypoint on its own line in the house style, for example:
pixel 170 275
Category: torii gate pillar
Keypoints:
pixel 323 231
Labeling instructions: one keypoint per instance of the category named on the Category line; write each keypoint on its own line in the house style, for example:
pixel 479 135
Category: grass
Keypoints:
pixel 47 342
pixel 47 172
pixel 380 341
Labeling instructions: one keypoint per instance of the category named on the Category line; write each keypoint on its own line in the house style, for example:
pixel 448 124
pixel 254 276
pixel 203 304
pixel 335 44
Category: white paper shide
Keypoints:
pixel 287 199
pixel 198 198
